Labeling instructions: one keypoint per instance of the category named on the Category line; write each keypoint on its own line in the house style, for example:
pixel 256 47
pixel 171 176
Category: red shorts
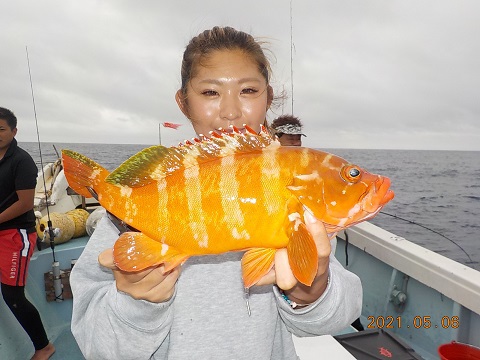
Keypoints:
pixel 16 249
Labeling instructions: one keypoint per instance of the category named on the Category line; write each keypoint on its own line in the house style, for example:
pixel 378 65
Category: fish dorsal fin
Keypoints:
pixel 156 162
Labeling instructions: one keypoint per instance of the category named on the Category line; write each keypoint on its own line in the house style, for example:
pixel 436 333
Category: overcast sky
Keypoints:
pixel 401 74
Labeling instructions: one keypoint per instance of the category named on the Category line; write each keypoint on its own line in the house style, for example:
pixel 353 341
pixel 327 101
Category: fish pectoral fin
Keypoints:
pixel 302 253
pixel 175 260
pixel 255 264
pixel 135 251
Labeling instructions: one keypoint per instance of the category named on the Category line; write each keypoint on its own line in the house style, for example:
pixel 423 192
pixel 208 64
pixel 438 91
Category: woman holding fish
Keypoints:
pixel 158 296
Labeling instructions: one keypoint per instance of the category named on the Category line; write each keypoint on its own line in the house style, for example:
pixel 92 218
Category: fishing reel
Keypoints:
pixel 46 234
pixel 49 234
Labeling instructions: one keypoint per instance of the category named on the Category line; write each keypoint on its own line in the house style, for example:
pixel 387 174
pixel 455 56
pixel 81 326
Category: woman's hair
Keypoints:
pixel 221 38
pixel 286 120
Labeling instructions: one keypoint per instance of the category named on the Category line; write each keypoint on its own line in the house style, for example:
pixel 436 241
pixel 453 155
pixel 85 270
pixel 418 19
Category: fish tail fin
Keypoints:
pixel 135 251
pixel 256 263
pixel 82 173
pixel 302 253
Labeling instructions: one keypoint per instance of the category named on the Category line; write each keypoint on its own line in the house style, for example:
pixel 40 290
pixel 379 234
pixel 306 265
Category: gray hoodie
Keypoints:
pixel 206 318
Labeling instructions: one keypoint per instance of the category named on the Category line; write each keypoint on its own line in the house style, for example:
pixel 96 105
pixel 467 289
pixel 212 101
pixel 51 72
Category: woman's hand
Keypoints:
pixel 151 284
pixel 282 275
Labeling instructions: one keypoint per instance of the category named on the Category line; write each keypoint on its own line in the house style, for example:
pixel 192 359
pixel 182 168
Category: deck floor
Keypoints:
pixel 66 347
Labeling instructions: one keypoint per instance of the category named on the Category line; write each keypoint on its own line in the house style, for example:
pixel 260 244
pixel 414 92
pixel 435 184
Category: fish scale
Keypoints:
pixel 231 192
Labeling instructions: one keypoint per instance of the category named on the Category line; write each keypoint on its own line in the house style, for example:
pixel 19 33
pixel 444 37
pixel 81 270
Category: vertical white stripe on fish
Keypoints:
pixel 131 208
pixel 163 216
pixel 326 161
pixel 305 159
pixel 269 176
pixel 228 186
pixel 193 193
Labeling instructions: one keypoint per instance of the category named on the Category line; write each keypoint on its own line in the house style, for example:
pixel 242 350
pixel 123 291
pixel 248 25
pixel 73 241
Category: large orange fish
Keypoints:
pixel 231 192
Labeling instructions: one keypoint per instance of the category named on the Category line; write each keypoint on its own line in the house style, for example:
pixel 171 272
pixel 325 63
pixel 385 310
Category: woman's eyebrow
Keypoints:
pixel 220 82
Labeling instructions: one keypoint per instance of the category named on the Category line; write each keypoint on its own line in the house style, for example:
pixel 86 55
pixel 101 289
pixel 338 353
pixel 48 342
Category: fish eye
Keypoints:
pixel 354 172
pixel 351 173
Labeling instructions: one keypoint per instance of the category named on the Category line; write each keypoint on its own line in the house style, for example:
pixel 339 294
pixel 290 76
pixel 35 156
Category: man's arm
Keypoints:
pixel 22 205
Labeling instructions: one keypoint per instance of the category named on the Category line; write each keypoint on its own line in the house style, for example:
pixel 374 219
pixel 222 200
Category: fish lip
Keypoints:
pixel 382 190
pixel 388 196
pixel 388 193
pixel 377 196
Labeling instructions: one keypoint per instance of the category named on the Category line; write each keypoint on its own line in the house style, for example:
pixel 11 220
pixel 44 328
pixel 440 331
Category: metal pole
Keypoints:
pixel 291 48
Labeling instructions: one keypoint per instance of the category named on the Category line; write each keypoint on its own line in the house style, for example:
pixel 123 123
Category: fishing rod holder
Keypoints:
pixel 57 281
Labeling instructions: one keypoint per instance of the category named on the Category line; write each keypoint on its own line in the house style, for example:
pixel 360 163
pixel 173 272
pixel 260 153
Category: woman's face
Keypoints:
pixel 226 89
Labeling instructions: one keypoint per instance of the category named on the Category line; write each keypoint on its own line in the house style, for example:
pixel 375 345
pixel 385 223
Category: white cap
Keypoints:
pixel 291 129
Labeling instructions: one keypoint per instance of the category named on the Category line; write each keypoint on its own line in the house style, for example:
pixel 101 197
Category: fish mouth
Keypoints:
pixel 377 196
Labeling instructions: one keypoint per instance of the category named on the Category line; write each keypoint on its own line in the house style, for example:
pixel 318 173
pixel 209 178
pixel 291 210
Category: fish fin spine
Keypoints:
pixel 156 162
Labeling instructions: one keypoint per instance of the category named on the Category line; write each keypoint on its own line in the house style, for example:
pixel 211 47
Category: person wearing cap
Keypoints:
pixel 288 129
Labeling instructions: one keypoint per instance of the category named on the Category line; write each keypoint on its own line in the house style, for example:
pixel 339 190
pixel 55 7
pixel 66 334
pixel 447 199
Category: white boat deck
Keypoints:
pixel 320 347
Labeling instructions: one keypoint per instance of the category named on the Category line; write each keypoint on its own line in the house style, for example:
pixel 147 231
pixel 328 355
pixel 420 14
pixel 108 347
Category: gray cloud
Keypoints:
pixel 366 74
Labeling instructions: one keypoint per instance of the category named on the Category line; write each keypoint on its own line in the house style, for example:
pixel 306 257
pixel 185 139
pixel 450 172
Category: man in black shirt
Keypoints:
pixel 18 178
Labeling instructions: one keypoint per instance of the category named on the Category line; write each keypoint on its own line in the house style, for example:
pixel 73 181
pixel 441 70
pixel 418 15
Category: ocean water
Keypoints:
pixel 439 190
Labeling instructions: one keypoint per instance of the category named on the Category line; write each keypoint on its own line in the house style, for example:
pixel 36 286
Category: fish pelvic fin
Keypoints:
pixel 301 249
pixel 156 162
pixel 256 263
pixel 81 172
pixel 135 251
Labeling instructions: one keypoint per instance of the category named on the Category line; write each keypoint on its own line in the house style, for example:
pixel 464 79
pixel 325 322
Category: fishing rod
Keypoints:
pixel 56 265
pixel 411 222
pixel 291 48
pixel 427 228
